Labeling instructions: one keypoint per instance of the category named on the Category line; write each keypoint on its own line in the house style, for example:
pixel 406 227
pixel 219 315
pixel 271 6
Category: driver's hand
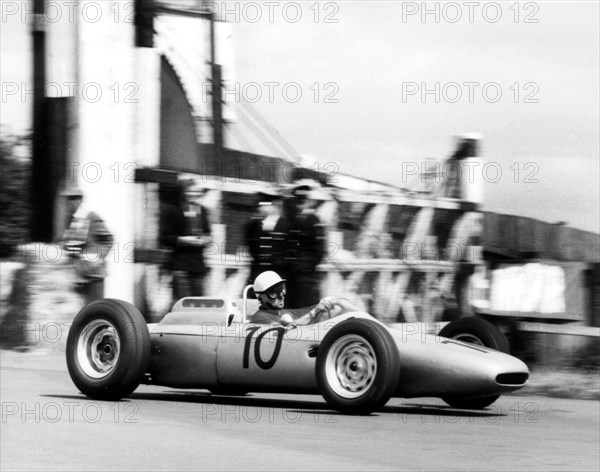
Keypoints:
pixel 325 304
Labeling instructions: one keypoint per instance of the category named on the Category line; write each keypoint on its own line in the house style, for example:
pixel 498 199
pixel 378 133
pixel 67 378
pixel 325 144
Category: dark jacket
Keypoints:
pixel 305 243
pixel 267 248
pixel 191 258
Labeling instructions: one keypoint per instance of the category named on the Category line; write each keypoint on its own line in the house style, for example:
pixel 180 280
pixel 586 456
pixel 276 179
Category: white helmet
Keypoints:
pixel 265 280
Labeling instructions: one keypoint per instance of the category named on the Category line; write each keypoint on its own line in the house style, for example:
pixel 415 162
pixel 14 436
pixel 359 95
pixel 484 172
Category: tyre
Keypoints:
pixel 108 349
pixel 476 331
pixel 483 333
pixel 358 366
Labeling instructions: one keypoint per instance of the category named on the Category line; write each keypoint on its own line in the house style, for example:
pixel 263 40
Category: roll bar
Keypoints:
pixel 244 298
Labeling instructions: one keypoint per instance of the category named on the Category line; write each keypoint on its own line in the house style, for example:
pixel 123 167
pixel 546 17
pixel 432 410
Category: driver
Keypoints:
pixel 270 291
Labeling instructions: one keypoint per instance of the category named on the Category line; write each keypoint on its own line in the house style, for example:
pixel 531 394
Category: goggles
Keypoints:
pixel 276 294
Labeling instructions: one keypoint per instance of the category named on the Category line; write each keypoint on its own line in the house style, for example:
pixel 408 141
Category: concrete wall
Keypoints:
pixel 114 127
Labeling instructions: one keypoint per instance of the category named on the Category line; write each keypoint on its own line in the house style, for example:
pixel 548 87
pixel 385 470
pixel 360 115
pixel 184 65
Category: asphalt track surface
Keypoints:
pixel 48 425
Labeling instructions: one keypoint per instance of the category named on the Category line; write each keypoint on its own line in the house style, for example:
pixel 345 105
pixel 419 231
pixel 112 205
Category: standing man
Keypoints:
pixel 87 240
pixel 265 236
pixel 306 248
pixel 194 234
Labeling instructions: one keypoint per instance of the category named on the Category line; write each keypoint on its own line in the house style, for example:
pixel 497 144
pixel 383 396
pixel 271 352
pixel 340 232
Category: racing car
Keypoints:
pixel 354 361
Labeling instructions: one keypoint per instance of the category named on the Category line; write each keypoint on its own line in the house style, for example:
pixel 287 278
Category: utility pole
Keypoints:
pixel 41 171
pixel 217 110
pixel 144 23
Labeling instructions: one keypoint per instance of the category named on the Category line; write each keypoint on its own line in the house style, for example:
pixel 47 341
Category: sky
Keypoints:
pixel 387 83
pixel 382 57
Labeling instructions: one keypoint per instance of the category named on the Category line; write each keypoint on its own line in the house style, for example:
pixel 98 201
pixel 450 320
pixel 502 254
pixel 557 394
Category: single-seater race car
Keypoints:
pixel 354 361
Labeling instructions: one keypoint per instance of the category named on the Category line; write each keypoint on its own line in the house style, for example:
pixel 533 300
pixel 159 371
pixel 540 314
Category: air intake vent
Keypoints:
pixel 192 302
pixel 515 378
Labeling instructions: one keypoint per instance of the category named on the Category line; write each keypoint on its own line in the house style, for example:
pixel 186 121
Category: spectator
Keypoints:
pixel 187 230
pixel 265 236
pixel 172 219
pixel 171 225
pixel 87 240
pixel 305 243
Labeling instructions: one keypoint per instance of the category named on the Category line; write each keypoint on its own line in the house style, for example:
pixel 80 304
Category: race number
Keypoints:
pixel 263 364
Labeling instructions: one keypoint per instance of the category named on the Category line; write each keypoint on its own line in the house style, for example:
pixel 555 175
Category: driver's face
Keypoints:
pixel 274 298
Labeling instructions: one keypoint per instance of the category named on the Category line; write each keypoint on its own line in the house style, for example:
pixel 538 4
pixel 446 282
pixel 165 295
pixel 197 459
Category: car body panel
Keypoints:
pixel 436 366
pixel 183 360
pixel 268 358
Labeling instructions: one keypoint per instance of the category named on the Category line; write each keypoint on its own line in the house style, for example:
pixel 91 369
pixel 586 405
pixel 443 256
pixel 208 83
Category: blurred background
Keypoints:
pixel 116 104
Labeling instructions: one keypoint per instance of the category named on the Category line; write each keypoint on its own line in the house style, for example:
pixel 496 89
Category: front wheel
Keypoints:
pixel 358 366
pixel 108 349
pixel 482 333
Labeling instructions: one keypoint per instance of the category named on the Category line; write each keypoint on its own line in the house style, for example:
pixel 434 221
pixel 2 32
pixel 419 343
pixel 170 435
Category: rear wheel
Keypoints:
pixel 358 366
pixel 108 349
pixel 477 331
